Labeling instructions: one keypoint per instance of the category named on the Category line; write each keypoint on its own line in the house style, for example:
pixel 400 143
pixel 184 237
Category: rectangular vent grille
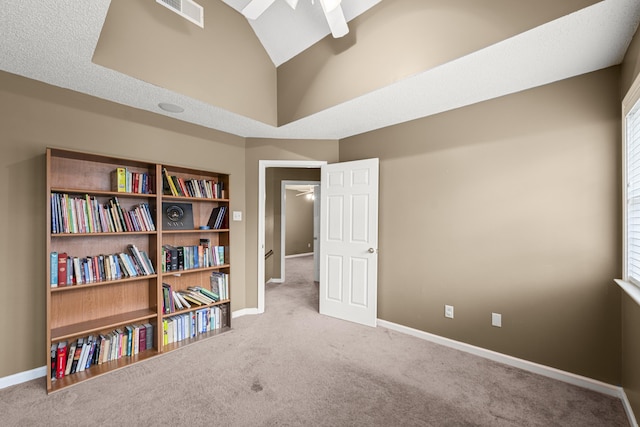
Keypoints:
pixel 188 9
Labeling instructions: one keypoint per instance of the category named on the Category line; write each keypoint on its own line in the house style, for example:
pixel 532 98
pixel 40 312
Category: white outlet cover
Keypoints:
pixel 237 215
pixel 496 320
pixel 448 311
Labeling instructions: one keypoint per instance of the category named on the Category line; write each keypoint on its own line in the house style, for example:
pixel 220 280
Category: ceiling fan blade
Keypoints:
pixel 304 193
pixel 292 3
pixel 337 22
pixel 255 8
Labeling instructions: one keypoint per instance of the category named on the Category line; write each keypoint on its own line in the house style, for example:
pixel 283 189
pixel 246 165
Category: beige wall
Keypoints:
pixel 33 116
pixel 631 351
pixel 509 206
pixel 399 38
pixel 223 64
pixel 631 64
pixel 299 224
pixel 630 309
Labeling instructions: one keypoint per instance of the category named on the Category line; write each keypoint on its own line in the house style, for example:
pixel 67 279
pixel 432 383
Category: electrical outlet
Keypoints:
pixel 448 311
pixel 496 320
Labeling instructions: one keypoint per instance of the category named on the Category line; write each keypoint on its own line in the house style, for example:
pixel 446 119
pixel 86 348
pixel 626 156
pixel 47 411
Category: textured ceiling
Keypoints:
pixel 53 42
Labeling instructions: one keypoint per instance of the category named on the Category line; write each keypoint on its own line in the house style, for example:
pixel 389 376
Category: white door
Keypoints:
pixel 349 241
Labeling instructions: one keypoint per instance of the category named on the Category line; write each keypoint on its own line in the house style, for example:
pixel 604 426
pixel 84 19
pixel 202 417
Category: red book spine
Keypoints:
pixel 61 361
pixel 96 269
pixel 183 187
pixel 62 269
pixel 142 344
pixel 134 187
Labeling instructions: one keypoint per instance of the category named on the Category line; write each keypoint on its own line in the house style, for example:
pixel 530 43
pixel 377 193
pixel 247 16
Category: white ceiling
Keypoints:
pixel 285 32
pixel 53 42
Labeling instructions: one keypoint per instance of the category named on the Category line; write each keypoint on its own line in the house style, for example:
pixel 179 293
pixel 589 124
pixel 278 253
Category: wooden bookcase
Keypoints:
pixel 100 307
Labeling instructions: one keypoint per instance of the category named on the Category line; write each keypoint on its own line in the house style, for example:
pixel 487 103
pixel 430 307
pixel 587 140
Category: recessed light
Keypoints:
pixel 172 108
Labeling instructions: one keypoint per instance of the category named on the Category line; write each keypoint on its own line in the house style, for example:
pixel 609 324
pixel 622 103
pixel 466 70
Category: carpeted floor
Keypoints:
pixel 292 366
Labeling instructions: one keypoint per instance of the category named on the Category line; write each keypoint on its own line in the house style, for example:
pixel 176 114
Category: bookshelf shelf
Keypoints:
pixel 122 303
pixel 82 191
pixel 195 308
pixel 96 325
pixel 97 370
pixel 179 273
pixel 104 234
pixel 102 283
pixel 211 230
pixel 183 343
pixel 189 199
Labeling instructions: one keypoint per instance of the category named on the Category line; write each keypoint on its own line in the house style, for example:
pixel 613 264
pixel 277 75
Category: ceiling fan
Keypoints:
pixel 331 8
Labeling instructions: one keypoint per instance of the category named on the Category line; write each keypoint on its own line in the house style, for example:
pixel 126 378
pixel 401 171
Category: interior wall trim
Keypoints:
pixel 536 368
pixel 244 312
pixel 23 377
pixel 299 255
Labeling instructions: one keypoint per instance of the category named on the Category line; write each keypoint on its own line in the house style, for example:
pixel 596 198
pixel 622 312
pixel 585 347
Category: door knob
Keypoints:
pixel 371 250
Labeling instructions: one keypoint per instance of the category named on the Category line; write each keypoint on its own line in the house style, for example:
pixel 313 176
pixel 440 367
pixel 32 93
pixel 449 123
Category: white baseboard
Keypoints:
pixel 526 365
pixel 244 312
pixel 299 255
pixel 272 280
pixel 23 377
pixel 627 408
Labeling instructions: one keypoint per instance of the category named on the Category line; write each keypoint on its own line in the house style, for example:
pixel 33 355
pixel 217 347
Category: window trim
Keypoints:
pixel 631 99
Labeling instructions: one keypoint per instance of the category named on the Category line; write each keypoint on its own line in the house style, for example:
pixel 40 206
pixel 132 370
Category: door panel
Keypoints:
pixel 334 276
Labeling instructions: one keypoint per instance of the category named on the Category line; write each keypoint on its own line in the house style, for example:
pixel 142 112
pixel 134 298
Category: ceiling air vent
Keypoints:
pixel 188 9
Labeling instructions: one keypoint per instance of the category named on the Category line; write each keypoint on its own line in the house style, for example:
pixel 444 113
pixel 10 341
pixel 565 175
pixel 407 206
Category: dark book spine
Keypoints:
pixel 180 256
pixel 76 357
pixel 53 361
pixel 224 315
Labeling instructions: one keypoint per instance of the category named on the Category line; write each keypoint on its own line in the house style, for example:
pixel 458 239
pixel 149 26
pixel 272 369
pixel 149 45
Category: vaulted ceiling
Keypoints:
pixel 402 60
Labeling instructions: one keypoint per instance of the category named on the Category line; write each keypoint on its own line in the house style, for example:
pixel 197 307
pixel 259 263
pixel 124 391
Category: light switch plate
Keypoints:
pixel 448 311
pixel 237 215
pixel 496 320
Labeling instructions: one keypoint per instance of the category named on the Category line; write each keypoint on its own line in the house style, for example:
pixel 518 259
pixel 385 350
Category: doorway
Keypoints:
pixel 299 225
pixel 263 165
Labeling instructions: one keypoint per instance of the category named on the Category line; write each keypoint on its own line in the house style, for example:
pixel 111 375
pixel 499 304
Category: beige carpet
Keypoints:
pixel 292 366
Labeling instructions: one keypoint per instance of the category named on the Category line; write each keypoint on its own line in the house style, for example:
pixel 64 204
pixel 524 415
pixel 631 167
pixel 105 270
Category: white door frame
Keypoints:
pixel 316 233
pixel 262 170
pixel 283 220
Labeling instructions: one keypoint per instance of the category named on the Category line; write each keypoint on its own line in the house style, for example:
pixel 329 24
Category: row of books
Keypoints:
pixel 85 214
pixel 78 355
pixel 217 218
pixel 177 258
pixel 183 299
pixel 219 284
pixel 125 181
pixel 68 270
pixel 200 188
pixel 189 325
